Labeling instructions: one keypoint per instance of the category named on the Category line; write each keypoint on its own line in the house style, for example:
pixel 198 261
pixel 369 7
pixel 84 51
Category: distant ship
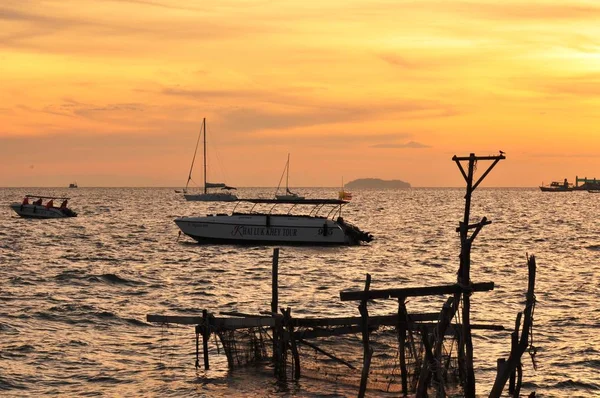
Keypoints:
pixel 73 185
pixel 587 184
pixel 556 186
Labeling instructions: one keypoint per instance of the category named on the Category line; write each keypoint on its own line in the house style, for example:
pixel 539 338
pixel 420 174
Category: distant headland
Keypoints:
pixel 376 183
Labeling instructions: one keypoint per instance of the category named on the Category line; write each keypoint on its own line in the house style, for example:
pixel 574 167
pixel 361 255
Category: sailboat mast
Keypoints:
pixel 287 175
pixel 204 122
pixel 194 158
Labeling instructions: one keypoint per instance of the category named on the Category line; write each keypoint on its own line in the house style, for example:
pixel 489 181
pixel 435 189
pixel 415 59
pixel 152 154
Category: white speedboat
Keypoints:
pixel 205 196
pixel 37 209
pixel 272 228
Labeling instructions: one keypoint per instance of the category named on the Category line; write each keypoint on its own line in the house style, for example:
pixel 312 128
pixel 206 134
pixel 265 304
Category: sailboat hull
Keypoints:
pixel 265 229
pixel 210 197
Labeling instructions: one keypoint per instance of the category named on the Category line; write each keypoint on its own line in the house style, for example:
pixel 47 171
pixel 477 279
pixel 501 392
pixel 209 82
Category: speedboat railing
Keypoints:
pixel 335 210
pixel 318 205
pixel 235 207
pixel 316 209
pixel 292 208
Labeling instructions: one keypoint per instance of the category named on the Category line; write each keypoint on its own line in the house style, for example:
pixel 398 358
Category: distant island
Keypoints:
pixel 376 183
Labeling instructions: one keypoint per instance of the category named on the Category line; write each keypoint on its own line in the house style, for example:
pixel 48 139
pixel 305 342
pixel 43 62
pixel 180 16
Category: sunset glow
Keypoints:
pixel 112 93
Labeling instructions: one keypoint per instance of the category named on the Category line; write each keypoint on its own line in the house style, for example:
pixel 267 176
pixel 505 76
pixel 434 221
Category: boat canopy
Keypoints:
pixel 297 201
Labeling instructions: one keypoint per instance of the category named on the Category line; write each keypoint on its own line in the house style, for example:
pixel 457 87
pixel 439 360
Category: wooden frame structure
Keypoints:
pixel 287 332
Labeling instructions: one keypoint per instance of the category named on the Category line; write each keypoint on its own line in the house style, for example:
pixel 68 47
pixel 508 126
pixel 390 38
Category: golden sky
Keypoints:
pixel 113 92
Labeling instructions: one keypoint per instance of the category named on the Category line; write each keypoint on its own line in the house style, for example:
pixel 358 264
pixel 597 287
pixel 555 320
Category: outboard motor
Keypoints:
pixel 354 233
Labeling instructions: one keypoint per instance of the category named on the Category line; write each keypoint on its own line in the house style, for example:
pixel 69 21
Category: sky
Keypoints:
pixel 113 92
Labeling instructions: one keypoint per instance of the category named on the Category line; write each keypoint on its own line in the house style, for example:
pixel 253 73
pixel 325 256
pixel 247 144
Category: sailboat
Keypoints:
pixel 207 196
pixel 343 194
pixel 288 195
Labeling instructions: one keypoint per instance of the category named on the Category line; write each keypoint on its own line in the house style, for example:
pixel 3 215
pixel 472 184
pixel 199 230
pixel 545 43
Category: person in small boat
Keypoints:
pixel 63 205
pixel 25 200
pixel 50 204
pixel 38 202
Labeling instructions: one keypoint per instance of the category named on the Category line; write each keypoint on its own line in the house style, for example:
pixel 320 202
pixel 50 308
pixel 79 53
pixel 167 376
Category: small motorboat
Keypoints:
pixel 38 209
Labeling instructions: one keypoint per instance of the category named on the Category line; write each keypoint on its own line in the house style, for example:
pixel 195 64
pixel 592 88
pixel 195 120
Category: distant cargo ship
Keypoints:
pixel 73 185
pixel 556 186
pixel 587 184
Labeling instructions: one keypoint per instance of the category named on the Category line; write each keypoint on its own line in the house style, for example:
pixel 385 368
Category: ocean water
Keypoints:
pixel 74 293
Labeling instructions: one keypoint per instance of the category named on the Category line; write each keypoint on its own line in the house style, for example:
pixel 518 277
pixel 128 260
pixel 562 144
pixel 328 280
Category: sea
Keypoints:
pixel 74 293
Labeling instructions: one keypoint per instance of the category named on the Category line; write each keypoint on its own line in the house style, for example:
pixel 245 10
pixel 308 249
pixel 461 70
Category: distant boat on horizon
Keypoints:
pixel 73 185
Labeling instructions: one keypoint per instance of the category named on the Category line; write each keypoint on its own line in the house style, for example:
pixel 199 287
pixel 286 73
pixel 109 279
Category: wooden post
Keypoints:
pixel 364 376
pixel 280 349
pixel 367 351
pixel 464 279
pixel 274 305
pixel 274 282
pixel 466 343
pixel 287 319
pixel 198 329
pixel 425 375
pixel 514 359
pixel 402 314
pixel 433 354
pixel 205 337
pixel 514 341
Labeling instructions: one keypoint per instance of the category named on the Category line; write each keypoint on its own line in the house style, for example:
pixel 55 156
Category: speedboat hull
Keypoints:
pixel 270 229
pixel 36 211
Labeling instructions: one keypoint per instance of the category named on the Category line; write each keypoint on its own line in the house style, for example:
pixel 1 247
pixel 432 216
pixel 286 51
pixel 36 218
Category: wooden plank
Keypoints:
pixel 354 295
pixel 385 320
pixel 225 323
pixel 239 323
pixel 175 319
pixel 243 314
pixel 316 333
